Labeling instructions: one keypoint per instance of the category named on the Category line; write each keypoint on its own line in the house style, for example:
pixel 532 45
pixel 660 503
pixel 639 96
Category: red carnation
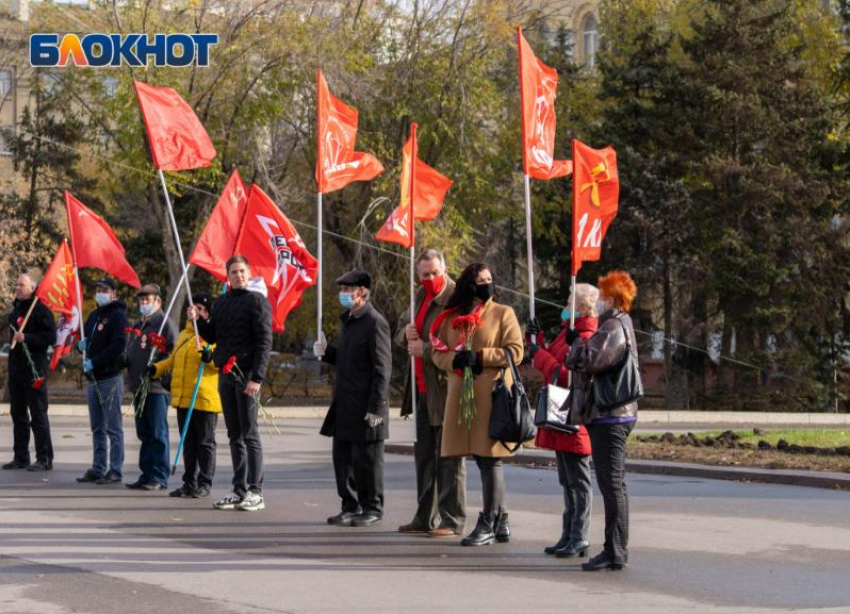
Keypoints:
pixel 20 321
pixel 138 332
pixel 129 329
pixel 38 383
pixel 228 367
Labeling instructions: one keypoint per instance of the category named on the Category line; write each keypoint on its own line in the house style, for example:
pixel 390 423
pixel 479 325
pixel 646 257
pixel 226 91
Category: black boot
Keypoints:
pixel 503 529
pixel 573 549
pixel 482 535
pixel 561 543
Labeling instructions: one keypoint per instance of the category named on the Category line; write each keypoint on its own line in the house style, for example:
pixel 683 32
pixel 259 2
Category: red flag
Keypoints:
pixel 538 85
pixel 58 289
pixel 596 194
pixel 94 244
pixel 337 164
pixel 217 242
pixel 428 187
pixel 275 250
pixel 177 138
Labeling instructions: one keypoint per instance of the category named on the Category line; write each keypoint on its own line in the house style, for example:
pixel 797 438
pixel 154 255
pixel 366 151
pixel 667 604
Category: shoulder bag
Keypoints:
pixel 511 420
pixel 553 407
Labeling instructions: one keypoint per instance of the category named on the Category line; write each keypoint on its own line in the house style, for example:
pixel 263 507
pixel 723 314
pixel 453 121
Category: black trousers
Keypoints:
pixel 609 462
pixel 440 482
pixel 198 447
pixel 492 485
pixel 359 471
pixel 29 410
pixel 243 432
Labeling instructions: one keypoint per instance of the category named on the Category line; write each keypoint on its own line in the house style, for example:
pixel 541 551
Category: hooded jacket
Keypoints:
pixel 106 339
pixel 183 363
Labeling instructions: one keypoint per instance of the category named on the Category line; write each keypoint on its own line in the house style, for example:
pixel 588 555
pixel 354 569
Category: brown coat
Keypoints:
pixel 499 331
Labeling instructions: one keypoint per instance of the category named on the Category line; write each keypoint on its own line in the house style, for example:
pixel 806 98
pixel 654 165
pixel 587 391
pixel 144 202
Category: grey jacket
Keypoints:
pixel 139 350
pixel 604 350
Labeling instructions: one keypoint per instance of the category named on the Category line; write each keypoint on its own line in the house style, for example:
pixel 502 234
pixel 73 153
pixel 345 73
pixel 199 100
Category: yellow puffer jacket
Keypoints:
pixel 184 363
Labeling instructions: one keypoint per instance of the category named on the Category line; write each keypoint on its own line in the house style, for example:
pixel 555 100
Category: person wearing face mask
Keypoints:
pixel 152 417
pixel 103 351
pixel 496 333
pixel 358 417
pixel 609 427
pixel 441 501
pixel 572 451
pixel 240 326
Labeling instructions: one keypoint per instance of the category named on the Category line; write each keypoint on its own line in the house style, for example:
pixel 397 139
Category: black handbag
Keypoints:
pixel 619 385
pixel 511 420
pixel 553 407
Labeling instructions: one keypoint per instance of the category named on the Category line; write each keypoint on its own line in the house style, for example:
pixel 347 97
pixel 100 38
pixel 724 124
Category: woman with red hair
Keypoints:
pixel 609 427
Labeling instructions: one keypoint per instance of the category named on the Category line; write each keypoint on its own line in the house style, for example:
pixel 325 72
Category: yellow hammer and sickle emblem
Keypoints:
pixel 598 174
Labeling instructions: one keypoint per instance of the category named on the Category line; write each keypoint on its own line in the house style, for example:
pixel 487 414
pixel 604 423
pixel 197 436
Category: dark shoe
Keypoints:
pixel 40 466
pixel 343 519
pixel 482 534
pixel 16 464
pixel 183 491
pixel 412 528
pixel 366 519
pixel 601 561
pixel 503 529
pixel 201 492
pixel 152 486
pixel 137 485
pixel 561 543
pixel 88 476
pixel 443 532
pixel 573 550
pixel 110 478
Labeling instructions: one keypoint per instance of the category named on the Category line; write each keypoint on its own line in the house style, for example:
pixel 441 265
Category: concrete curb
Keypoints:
pixel 814 479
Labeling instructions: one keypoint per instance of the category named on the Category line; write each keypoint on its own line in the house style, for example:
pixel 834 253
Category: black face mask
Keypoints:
pixel 484 292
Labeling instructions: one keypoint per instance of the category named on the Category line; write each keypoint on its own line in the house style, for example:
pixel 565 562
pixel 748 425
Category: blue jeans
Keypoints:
pixel 152 430
pixel 104 399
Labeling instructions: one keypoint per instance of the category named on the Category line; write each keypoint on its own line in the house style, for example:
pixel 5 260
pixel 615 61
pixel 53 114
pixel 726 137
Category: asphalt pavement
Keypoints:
pixel 697 545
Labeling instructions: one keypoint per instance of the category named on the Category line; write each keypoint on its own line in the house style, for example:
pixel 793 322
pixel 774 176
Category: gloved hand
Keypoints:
pixel 532 328
pixel 82 345
pixel 320 346
pixel 532 350
pixel 571 336
pixel 88 367
pixel 373 420
pixel 151 371
pixel 463 359
pixel 206 354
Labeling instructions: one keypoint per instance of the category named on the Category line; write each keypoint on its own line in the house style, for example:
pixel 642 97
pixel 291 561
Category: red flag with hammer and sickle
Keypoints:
pixel 596 194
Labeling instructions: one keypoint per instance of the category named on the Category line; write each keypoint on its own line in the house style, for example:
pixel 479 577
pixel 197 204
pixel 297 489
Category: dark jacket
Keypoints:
pixel 138 352
pixel 435 379
pixel 605 350
pixel 363 358
pixel 240 325
pixel 106 339
pixel 39 334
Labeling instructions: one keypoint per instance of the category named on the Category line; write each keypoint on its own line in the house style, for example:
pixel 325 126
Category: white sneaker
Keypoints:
pixel 252 502
pixel 228 503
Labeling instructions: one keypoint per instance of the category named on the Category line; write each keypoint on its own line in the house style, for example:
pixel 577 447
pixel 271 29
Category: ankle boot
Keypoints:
pixel 573 549
pixel 482 535
pixel 503 529
pixel 561 543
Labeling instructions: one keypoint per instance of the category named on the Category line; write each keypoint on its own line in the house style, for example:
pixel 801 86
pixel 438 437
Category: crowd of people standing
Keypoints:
pixel 461 340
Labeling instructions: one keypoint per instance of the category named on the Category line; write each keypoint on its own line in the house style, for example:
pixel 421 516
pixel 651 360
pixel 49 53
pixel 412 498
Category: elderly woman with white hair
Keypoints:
pixel 571 451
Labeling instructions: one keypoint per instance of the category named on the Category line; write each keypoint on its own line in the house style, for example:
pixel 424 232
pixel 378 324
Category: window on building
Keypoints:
pixel 5 83
pixel 590 39
pixel 110 86
pixel 50 81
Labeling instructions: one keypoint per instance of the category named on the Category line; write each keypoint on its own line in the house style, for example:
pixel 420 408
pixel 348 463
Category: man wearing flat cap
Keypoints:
pixel 151 405
pixel 358 415
pixel 103 357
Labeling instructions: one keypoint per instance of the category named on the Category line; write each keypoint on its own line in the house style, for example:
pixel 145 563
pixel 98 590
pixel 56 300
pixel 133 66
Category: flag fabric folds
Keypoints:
pixel 538 85
pixel 596 193
pixel 276 252
pixel 337 164
pixel 428 188
pixel 94 244
pixel 67 330
pixel 217 242
pixel 58 288
pixel 177 138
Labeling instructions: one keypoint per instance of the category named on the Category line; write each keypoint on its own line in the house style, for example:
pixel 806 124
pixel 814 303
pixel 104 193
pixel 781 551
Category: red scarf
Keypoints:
pixel 418 364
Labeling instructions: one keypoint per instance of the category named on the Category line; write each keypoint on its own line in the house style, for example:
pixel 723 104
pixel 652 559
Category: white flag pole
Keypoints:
pixel 77 276
pixel 185 278
pixel 319 281
pixel 413 155
pixel 528 248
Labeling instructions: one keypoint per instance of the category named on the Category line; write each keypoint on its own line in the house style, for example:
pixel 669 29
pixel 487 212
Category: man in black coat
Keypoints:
pixel 359 413
pixel 27 383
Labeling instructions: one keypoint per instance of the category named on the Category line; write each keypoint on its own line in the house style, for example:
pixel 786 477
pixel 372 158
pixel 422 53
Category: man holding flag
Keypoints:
pixel 32 331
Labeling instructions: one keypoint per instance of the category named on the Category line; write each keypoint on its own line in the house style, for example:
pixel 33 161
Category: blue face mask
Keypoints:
pixel 102 298
pixel 146 309
pixel 565 314
pixel 346 299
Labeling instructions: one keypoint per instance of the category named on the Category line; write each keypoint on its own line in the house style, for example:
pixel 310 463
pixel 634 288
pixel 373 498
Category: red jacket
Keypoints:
pixel 546 360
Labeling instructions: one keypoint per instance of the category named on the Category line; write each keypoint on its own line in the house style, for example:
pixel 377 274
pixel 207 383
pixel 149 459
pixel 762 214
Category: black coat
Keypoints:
pixel 363 359
pixel 39 334
pixel 139 350
pixel 240 325
pixel 106 339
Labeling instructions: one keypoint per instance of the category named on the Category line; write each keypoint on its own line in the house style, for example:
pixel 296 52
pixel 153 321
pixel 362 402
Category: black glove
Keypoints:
pixel 532 328
pixel 151 371
pixel 572 335
pixel 478 367
pixel 532 350
pixel 206 354
pixel 464 359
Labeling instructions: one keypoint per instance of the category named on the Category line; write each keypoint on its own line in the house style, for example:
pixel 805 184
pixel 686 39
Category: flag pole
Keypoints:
pixel 411 213
pixel 319 279
pixel 188 417
pixel 171 302
pixel 26 319
pixel 185 278
pixel 76 275
pixel 528 248
pixel 319 204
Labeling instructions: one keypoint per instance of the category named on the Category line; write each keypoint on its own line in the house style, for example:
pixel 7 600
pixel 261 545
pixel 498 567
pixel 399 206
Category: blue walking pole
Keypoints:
pixel 188 418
